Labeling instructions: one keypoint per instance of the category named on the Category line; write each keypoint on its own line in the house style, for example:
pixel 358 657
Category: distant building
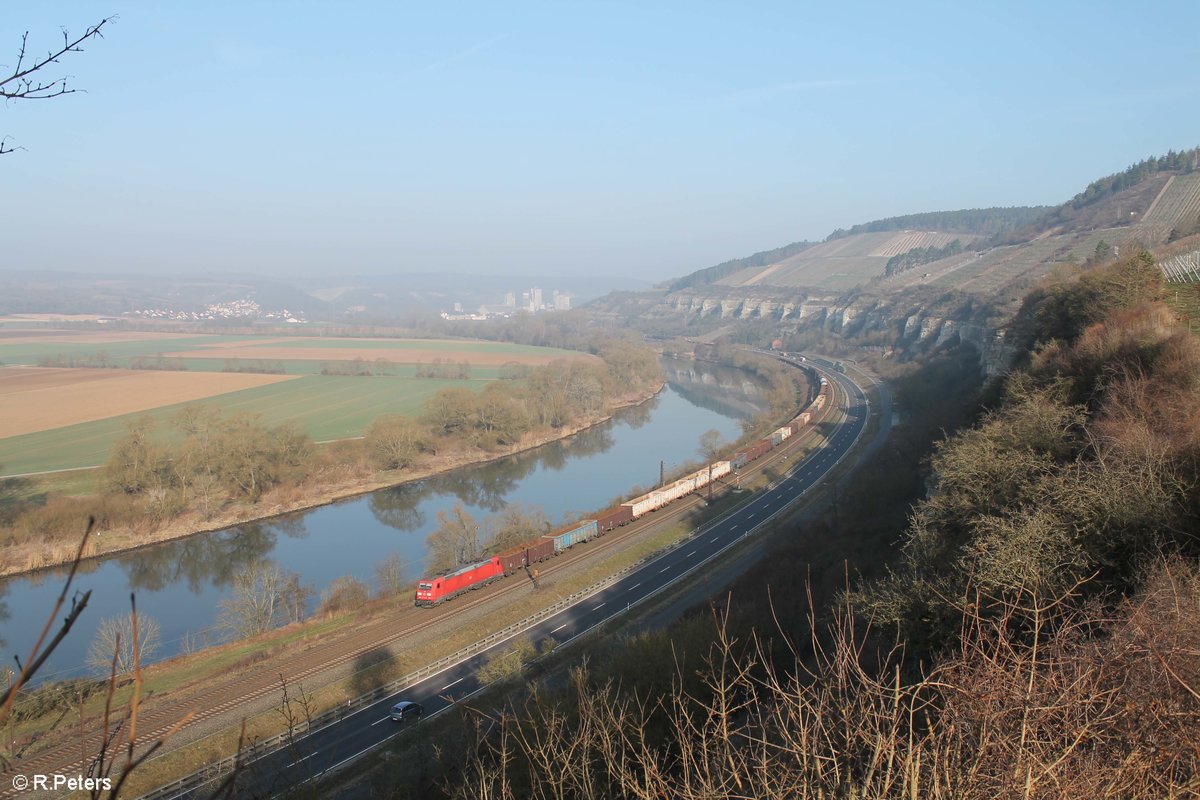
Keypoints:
pixel 562 301
pixel 535 299
pixel 510 300
pixel 458 308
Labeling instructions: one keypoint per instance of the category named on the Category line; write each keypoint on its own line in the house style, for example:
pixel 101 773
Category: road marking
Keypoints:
pixel 306 758
pixel 376 722
pixel 560 627
pixel 664 569
pixel 631 588
pixel 689 555
pixel 448 685
pixel 597 608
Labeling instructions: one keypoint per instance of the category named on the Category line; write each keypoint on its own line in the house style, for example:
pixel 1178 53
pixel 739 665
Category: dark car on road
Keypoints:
pixel 407 711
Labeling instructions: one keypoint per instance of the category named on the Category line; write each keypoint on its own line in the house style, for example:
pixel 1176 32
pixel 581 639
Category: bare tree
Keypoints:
pixel 457 540
pixel 389 575
pixel 29 79
pixel 114 645
pixel 257 603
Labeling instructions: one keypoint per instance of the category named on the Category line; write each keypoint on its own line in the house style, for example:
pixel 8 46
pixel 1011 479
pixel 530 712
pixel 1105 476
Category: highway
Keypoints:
pixel 336 745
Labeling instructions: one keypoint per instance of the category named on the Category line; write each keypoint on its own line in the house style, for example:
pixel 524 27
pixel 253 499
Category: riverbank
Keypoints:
pixel 341 481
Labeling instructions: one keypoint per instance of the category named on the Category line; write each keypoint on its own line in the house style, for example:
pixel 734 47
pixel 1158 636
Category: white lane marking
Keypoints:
pixel 597 608
pixel 560 627
pixel 448 685
pixel 664 569
pixel 689 555
pixel 631 588
pixel 376 722
pixel 306 758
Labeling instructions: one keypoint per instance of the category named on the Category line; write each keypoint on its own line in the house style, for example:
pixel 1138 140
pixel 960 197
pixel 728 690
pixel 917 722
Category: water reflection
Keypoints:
pixel 399 507
pixel 209 560
pixel 485 486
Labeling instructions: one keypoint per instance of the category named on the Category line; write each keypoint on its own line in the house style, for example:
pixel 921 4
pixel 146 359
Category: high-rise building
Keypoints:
pixel 510 300
pixel 536 298
pixel 562 301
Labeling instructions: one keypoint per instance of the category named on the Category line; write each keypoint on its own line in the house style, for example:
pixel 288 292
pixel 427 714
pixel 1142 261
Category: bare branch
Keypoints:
pixel 25 84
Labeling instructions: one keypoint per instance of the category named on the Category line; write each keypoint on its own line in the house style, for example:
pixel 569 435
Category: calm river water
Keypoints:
pixel 181 583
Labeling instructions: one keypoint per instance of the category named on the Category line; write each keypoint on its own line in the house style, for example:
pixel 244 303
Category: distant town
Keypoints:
pixel 233 309
pixel 532 301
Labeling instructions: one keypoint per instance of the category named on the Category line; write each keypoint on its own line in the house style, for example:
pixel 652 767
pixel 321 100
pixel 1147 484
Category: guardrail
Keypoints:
pixel 218 770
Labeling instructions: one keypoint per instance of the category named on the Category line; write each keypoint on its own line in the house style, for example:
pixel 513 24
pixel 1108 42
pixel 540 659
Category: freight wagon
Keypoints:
pixel 758 449
pixel 646 503
pixel 431 591
pixel 581 533
pixel 521 556
pixel 614 518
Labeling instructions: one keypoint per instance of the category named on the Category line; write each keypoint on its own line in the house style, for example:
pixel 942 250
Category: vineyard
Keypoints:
pixel 911 240
pixel 1178 202
pixel 999 268
pixel 842 263
pixel 1183 268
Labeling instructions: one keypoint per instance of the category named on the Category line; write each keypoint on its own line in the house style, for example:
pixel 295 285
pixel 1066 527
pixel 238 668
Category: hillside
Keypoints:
pixel 844 262
pixel 1003 250
pixel 907 289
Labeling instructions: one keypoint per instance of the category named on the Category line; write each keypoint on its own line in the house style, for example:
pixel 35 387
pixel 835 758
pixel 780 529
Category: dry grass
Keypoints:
pixel 1047 699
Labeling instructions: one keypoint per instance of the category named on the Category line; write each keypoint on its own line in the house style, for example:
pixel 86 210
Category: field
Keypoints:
pixel 55 419
pixel 37 399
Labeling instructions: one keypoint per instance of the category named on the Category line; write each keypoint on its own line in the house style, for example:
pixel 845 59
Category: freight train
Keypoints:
pixel 439 588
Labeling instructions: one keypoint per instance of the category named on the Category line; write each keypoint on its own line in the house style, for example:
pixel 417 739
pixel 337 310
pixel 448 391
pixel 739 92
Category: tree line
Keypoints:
pixel 902 262
pixel 981 221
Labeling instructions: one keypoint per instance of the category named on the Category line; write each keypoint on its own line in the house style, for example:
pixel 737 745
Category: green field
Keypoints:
pixel 325 407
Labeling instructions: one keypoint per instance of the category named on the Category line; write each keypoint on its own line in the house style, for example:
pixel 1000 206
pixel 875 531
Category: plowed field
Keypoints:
pixel 39 398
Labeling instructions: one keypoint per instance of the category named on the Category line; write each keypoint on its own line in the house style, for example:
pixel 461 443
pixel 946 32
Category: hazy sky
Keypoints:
pixel 640 139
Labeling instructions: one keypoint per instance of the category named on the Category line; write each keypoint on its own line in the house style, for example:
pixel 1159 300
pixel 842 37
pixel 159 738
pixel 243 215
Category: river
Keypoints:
pixel 181 583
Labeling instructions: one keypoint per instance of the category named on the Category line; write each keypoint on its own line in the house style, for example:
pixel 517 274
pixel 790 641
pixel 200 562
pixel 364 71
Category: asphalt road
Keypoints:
pixel 340 743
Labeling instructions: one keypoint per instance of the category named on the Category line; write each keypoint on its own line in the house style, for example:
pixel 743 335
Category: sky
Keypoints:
pixel 636 139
